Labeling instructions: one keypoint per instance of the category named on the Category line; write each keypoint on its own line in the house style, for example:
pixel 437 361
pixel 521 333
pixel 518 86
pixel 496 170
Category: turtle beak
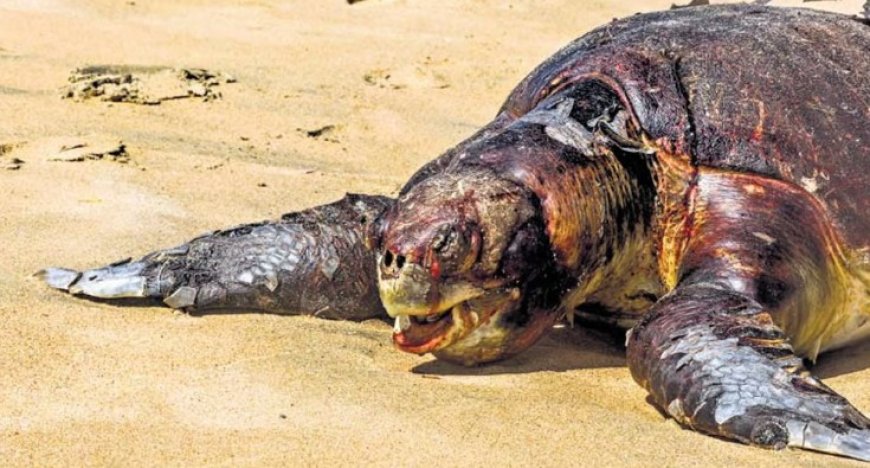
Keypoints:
pixel 428 312
pixel 409 289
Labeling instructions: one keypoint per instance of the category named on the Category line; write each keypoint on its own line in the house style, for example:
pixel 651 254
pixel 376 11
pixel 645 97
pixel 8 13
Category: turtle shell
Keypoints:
pixel 783 93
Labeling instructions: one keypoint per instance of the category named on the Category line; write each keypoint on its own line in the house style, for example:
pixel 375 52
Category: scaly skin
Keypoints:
pixel 716 362
pixel 718 353
pixel 702 172
pixel 314 262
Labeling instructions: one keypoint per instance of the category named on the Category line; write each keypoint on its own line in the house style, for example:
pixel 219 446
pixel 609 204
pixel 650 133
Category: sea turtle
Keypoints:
pixel 698 177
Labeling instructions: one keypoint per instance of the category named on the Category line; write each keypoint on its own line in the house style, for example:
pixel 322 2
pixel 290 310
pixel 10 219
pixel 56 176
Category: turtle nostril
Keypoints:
pixel 392 262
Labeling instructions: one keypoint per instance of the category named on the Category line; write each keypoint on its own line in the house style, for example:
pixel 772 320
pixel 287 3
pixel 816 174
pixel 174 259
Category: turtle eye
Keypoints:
pixel 457 249
pixel 444 240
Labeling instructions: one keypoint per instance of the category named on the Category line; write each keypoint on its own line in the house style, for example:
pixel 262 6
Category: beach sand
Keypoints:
pixel 395 83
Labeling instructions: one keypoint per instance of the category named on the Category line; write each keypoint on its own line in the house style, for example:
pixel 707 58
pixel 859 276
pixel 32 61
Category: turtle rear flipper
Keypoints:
pixel 312 262
pixel 754 291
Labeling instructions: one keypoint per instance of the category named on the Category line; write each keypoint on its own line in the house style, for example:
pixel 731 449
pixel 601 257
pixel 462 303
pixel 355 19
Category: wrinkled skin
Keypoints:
pixel 659 173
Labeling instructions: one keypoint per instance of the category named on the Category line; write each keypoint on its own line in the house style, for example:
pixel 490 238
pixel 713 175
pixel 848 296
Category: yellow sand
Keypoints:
pixel 85 383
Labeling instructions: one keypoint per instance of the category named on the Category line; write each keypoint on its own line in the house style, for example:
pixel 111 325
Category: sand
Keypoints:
pixel 397 82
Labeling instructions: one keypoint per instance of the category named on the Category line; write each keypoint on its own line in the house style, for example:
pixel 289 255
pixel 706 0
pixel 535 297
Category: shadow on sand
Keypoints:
pixel 566 349
pixel 843 361
pixel 563 349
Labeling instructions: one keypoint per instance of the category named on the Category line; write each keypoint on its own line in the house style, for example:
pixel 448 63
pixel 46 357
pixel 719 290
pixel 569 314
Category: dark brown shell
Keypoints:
pixel 779 92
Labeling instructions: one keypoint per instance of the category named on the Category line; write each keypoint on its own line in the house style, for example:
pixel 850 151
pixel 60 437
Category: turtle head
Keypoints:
pixel 455 255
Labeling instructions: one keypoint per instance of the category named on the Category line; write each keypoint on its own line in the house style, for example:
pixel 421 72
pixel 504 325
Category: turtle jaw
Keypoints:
pixel 438 332
pixel 439 316
pixel 430 313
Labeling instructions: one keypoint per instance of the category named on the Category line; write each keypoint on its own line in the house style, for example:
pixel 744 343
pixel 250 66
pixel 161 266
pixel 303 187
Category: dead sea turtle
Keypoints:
pixel 697 176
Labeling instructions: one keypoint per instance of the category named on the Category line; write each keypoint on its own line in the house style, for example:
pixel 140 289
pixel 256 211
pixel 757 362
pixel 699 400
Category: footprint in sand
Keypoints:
pixel 409 76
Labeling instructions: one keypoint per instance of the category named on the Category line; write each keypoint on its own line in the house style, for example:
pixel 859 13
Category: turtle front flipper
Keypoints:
pixel 311 262
pixel 715 362
pixel 761 279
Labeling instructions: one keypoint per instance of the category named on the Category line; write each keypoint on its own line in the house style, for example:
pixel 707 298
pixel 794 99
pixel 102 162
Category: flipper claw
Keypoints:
pixel 58 278
pixel 854 443
pixel 118 280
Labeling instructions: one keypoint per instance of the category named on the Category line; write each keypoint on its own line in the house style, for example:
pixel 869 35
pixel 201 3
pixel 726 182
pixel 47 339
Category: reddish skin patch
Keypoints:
pixel 435 268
